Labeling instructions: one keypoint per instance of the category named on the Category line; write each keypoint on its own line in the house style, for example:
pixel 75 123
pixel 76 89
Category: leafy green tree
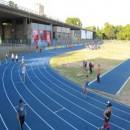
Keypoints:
pixel 93 28
pixel 126 32
pixel 109 31
pixel 74 21
pixel 12 4
pixel 99 33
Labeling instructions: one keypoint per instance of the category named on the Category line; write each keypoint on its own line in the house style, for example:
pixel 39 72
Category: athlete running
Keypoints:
pixel 23 72
pixel 107 114
pixel 12 56
pixel 22 60
pixel 6 58
pixel 85 91
pixel 16 58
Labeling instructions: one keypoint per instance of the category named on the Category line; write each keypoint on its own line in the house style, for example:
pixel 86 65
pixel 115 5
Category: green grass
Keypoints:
pixel 111 54
pixel 124 95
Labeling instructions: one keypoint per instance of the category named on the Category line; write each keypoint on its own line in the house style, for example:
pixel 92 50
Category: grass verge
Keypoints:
pixel 111 54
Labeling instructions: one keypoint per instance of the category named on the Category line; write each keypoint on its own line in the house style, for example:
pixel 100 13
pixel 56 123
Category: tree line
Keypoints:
pixel 109 31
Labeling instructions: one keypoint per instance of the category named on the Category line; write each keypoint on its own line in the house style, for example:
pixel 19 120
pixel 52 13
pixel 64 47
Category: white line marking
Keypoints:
pixel 3 122
pixel 26 102
pixel 91 92
pixel 123 85
pixel 108 71
pixel 74 103
pixel 59 110
pixel 81 99
pixel 62 106
pixel 7 94
pixel 88 96
pixel 44 104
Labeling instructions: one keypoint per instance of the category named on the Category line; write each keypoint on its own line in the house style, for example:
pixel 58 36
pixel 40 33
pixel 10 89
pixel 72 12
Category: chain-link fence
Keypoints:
pixel 15 42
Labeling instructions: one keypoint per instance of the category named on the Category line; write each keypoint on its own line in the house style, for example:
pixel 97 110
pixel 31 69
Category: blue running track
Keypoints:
pixel 113 81
pixel 52 102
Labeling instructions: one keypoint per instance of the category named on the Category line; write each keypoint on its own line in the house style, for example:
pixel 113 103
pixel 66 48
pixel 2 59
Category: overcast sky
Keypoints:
pixel 90 12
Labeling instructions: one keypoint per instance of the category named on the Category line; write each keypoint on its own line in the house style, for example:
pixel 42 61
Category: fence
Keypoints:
pixel 15 42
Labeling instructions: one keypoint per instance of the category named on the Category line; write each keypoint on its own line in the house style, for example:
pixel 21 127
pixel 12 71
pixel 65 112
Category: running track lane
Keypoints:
pixel 113 81
pixel 55 95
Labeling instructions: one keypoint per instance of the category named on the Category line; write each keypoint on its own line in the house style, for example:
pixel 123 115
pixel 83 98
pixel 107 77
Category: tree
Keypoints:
pixel 118 32
pixel 93 28
pixel 126 32
pixel 109 31
pixel 99 33
pixel 74 21
pixel 13 5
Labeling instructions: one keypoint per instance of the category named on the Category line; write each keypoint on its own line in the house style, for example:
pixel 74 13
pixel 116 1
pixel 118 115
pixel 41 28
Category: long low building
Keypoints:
pixel 20 25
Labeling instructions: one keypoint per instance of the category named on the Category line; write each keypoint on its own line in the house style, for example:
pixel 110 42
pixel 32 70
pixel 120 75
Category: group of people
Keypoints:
pixel 85 66
pixel 107 113
pixel 85 91
pixel 14 57
pixel 21 114
pixel 91 66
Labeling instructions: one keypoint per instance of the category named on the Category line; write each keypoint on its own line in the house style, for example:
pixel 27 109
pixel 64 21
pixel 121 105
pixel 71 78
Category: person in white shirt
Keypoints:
pixel 23 69
pixel 12 56
pixel 22 60
pixel 16 58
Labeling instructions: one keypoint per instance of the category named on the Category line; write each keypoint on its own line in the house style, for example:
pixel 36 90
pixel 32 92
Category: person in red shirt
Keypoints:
pixel 98 74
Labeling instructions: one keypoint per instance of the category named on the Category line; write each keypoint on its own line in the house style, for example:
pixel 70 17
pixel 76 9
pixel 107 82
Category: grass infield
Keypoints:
pixel 112 53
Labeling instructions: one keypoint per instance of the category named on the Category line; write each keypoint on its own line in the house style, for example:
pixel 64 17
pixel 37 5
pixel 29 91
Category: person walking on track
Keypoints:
pixel 23 72
pixel 12 56
pixel 23 60
pixel 98 74
pixel 85 91
pixel 107 114
pixel 16 58
pixel 21 113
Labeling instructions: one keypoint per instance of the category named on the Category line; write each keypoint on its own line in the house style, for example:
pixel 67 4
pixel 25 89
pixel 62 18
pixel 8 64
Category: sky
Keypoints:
pixel 90 12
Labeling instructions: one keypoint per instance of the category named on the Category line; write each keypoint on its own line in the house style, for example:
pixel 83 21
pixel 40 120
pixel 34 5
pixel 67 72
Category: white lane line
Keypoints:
pixel 3 122
pixel 108 71
pixel 74 103
pixel 88 95
pixel 59 110
pixel 80 98
pixel 7 94
pixel 81 107
pixel 62 106
pixel 26 102
pixel 44 104
pixel 123 85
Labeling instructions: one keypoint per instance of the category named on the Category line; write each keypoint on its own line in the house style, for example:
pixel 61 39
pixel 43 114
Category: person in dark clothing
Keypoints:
pixel 85 65
pixel 107 114
pixel 98 74
pixel 90 68
pixel 21 113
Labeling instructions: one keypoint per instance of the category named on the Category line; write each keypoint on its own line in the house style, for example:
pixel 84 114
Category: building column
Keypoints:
pixel 13 28
pixel 1 32
pixel 25 27
pixel 51 35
